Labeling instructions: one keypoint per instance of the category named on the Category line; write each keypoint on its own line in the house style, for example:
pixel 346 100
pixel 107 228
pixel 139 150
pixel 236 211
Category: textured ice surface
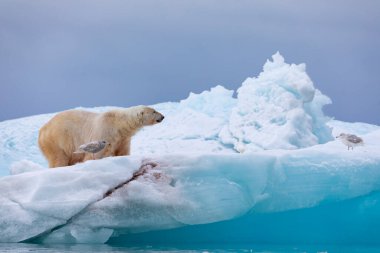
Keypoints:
pixel 253 165
pixel 71 205
pixel 280 109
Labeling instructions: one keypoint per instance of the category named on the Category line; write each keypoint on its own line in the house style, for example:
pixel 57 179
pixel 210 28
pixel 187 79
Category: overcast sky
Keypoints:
pixel 57 55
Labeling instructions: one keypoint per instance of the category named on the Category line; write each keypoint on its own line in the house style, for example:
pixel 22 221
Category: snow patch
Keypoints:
pixel 24 166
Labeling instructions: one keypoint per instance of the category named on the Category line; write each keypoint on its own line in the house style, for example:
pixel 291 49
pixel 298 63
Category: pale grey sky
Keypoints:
pixel 56 55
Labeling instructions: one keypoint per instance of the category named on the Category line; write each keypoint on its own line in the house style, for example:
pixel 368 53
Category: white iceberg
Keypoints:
pixel 189 170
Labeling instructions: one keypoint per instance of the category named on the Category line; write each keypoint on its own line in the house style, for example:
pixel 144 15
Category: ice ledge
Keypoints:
pixel 93 201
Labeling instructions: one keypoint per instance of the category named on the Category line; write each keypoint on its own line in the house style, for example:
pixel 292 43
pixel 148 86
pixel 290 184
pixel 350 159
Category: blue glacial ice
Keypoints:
pixel 260 167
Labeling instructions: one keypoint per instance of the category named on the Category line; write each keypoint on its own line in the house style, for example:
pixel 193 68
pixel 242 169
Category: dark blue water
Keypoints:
pixel 85 248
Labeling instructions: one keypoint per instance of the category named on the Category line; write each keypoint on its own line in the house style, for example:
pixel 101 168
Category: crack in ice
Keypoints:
pixel 144 168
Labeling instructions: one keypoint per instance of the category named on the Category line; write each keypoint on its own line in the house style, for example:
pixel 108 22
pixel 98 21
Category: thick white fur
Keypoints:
pixel 66 131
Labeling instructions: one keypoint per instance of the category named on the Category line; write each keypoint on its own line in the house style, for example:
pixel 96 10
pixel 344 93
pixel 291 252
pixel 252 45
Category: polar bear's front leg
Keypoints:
pixel 124 148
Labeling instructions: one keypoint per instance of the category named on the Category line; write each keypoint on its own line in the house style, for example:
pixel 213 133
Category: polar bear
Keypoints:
pixel 60 137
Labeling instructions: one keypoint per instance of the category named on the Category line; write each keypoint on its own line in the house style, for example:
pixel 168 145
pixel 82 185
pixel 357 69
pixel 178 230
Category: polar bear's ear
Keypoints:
pixel 141 115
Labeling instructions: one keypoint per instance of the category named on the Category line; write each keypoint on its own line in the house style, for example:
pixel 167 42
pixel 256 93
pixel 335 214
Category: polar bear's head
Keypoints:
pixel 149 116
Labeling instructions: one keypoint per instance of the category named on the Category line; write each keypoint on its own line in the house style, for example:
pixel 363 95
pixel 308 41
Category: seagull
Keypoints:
pixel 92 147
pixel 350 140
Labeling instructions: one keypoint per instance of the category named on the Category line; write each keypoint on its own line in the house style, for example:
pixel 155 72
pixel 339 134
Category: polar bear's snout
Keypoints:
pixel 160 118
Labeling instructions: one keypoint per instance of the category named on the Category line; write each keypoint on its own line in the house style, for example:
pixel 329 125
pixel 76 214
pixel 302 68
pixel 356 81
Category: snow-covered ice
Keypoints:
pixel 280 109
pixel 215 158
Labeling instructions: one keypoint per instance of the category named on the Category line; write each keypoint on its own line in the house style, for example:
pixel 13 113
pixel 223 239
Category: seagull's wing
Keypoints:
pixel 93 146
pixel 82 147
pixel 354 139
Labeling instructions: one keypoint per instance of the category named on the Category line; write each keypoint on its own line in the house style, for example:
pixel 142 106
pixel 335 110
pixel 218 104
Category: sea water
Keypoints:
pixel 88 248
